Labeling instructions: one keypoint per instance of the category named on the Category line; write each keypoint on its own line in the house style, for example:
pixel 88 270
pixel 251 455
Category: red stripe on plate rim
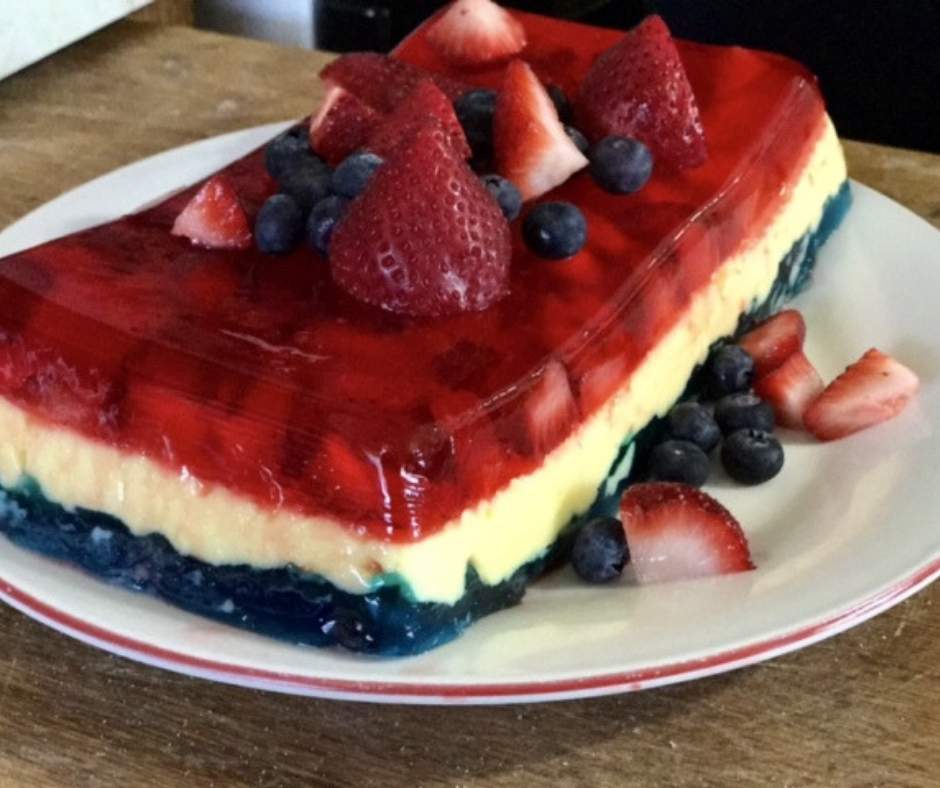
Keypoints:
pixel 641 678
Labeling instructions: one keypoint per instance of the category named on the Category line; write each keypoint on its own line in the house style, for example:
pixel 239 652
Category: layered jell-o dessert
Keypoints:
pixel 376 437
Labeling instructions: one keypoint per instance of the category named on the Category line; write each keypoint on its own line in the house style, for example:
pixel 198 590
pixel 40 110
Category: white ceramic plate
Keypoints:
pixel 847 530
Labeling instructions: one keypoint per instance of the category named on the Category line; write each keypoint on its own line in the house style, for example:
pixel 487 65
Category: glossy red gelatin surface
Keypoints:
pixel 258 374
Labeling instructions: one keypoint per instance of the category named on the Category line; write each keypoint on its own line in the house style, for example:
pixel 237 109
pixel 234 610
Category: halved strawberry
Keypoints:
pixel 601 382
pixel 426 106
pixel 474 32
pixel 550 409
pixel 874 389
pixel 383 82
pixel 342 125
pixel 676 532
pixel 639 88
pixel 214 217
pixel 529 141
pixel 770 343
pixel 790 388
pixel 426 237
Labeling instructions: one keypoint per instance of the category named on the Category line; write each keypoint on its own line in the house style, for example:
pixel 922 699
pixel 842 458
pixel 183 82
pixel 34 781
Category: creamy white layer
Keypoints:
pixel 497 536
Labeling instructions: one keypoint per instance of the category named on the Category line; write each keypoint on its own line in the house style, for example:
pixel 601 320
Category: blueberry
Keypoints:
pixel 580 141
pixel 278 225
pixel 679 461
pixel 307 184
pixel 729 369
pixel 751 456
pixel 693 422
pixel 600 550
pixel 474 110
pixel 621 165
pixel 324 216
pixel 505 193
pixel 743 411
pixel 555 230
pixel 351 177
pixel 288 151
pixel 562 105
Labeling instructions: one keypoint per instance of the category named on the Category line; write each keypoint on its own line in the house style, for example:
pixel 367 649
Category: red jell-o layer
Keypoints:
pixel 258 374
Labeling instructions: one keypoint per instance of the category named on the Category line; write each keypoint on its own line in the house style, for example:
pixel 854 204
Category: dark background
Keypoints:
pixel 878 60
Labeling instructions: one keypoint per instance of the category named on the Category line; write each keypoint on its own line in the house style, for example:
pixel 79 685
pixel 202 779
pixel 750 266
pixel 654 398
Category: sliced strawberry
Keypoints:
pixel 790 388
pixel 383 82
pixel 639 88
pixel 474 32
pixel 874 389
pixel 770 343
pixel 676 532
pixel 426 237
pixel 529 141
pixel 342 125
pixel 348 475
pixel 550 409
pixel 601 382
pixel 426 106
pixel 214 217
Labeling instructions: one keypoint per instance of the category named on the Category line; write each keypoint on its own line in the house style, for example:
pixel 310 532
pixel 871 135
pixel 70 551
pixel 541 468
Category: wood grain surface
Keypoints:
pixel 862 709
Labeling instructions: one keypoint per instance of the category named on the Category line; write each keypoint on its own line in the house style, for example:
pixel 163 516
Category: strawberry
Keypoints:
pixel 874 389
pixel 676 532
pixel 638 88
pixel 342 125
pixel 348 475
pixel 426 237
pixel 550 409
pixel 601 382
pixel 529 141
pixel 214 218
pixel 789 389
pixel 473 32
pixel 383 82
pixel 426 105
pixel 770 343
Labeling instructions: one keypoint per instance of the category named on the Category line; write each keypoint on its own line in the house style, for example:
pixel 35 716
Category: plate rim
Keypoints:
pixel 720 660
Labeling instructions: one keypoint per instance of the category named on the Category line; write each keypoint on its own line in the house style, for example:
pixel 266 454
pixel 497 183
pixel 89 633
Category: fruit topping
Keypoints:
pixel 550 409
pixel 691 421
pixel 772 342
pixel 342 125
pixel 600 550
pixel 621 165
pixel 555 230
pixel 323 218
pixel 874 389
pixel 638 88
pixel 287 151
pixel 751 456
pixel 214 218
pixel 278 225
pixel 506 194
pixel 474 32
pixel 679 461
pixel 475 110
pixel 675 532
pixel 579 140
pixel 743 410
pixel 307 185
pixel 382 82
pixel 790 388
pixel 426 105
pixel 728 370
pixel 562 104
pixel 426 237
pixel 529 141
pixel 352 176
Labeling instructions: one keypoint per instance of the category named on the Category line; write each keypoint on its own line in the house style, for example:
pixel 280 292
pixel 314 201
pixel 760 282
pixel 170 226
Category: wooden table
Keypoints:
pixel 862 709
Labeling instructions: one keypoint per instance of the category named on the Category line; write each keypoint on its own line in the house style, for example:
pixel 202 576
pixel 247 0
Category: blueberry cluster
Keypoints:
pixel 554 230
pixel 731 415
pixel 312 198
